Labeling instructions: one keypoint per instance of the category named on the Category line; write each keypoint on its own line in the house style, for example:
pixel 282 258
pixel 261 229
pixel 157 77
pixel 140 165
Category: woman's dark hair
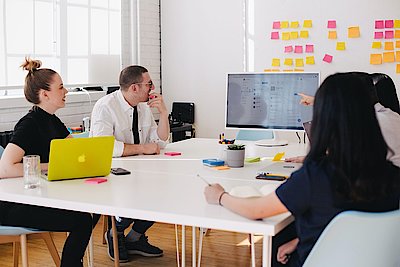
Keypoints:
pixel 346 135
pixel 36 79
pixel 131 75
pixel 386 91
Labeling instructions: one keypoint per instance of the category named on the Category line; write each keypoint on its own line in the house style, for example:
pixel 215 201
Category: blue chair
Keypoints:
pixel 1 151
pixel 358 239
pixel 11 234
pixel 254 135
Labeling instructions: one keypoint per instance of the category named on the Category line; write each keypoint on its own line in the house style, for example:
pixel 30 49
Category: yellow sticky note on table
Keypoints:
pixel 398 68
pixel 332 35
pixel 221 168
pixel 284 24
pixel 340 46
pixel 299 62
pixel 285 36
pixel 388 57
pixel 375 59
pixel 354 32
pixel 389 46
pixel 288 62
pixel 397 56
pixel 376 45
pixel 307 23
pixel 294 24
pixel 278 156
pixel 276 62
pixel 310 60
pixel 294 35
pixel 303 34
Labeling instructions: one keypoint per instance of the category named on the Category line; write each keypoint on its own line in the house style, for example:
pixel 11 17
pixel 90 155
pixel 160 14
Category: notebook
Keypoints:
pixel 72 158
pixel 280 168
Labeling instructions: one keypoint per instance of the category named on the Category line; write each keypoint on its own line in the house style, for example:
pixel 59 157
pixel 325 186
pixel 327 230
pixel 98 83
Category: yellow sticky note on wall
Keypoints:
pixel 397 23
pixel 388 57
pixel 284 24
pixel 278 156
pixel 304 34
pixel 285 36
pixel 389 46
pixel 299 62
pixel 332 35
pixel 307 23
pixel 294 35
pixel 276 62
pixel 310 60
pixel 354 32
pixel 294 24
pixel 375 59
pixel 376 45
pixel 340 46
pixel 288 62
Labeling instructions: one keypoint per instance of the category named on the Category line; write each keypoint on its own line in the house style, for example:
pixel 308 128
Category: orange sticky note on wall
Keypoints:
pixel 376 45
pixel 294 35
pixel 288 62
pixel 276 62
pixel 299 62
pixel 375 59
pixel 332 35
pixel 389 46
pixel 398 44
pixel 398 68
pixel 310 60
pixel 354 32
pixel 303 34
pixel 285 36
pixel 388 57
pixel 397 56
pixel 397 34
pixel 307 23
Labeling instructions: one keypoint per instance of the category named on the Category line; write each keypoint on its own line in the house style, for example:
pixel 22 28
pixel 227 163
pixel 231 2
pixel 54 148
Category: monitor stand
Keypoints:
pixel 276 141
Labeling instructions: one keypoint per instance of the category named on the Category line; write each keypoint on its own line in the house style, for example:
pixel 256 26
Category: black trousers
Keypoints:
pixel 286 235
pixel 139 226
pixel 78 224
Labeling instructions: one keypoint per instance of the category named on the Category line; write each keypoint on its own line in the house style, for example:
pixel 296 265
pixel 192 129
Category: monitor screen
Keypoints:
pixel 269 100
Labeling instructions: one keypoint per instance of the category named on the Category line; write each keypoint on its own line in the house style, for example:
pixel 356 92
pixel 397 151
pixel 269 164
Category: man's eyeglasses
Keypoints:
pixel 150 83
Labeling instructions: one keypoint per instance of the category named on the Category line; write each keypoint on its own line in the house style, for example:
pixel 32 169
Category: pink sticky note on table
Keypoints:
pixel 331 24
pixel 172 153
pixel 288 49
pixel 378 35
pixel 309 48
pixel 379 24
pixel 95 180
pixel 298 49
pixel 274 35
pixel 389 23
pixel 276 25
pixel 327 58
pixel 389 34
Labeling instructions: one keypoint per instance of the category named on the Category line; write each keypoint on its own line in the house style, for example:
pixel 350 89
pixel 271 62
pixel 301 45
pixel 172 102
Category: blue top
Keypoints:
pixel 308 195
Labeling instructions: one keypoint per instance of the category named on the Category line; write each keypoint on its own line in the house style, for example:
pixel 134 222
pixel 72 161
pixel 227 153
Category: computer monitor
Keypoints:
pixel 269 100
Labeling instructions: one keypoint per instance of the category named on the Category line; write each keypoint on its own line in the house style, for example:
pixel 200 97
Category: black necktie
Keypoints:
pixel 135 128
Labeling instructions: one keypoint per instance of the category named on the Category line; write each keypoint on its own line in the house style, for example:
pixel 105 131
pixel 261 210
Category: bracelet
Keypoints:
pixel 220 197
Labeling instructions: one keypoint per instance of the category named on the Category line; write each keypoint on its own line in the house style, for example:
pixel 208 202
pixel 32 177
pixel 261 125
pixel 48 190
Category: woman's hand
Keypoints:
pixel 213 193
pixel 306 100
pixel 285 250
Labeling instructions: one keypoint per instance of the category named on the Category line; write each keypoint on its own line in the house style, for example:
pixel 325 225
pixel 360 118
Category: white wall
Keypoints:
pixel 200 42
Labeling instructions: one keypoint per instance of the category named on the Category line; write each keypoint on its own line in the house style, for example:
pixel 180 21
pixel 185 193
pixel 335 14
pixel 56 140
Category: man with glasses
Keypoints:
pixel 126 115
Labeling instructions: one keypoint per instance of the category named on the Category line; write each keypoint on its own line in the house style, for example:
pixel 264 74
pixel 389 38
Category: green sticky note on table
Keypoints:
pixel 252 159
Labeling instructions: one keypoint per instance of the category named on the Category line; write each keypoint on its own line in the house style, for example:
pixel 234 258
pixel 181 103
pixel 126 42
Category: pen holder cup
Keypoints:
pixel 222 151
pixel 235 158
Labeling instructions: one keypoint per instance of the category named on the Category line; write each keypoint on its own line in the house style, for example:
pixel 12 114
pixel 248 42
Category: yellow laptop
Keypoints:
pixel 72 158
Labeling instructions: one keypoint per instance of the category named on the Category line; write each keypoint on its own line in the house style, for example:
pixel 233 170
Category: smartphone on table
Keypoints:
pixel 119 171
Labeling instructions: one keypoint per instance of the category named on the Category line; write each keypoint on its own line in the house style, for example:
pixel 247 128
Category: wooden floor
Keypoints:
pixel 219 249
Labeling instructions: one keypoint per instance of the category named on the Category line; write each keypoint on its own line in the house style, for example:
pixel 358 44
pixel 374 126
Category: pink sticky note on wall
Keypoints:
pixel 298 49
pixel 331 24
pixel 276 25
pixel 379 24
pixel 389 34
pixel 389 23
pixel 274 35
pixel 309 48
pixel 288 49
pixel 327 58
pixel 378 35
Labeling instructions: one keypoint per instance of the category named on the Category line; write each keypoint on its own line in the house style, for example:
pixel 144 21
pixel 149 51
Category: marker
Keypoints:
pixel 152 96
pixel 198 175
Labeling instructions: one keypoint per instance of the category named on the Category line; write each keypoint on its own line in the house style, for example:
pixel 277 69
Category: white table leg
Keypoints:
pixel 201 236
pixel 253 252
pixel 193 246
pixel 267 248
pixel 183 246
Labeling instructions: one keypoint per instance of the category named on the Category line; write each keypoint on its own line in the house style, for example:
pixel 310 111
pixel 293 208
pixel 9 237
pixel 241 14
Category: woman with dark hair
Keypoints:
pixel 346 169
pixel 386 91
pixel 32 135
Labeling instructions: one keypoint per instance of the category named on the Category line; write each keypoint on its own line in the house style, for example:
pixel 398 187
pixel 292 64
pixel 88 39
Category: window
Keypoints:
pixel 81 40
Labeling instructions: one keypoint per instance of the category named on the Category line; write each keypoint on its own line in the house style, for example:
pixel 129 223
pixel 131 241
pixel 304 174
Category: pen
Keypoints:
pixel 198 175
